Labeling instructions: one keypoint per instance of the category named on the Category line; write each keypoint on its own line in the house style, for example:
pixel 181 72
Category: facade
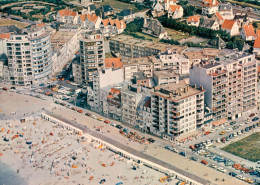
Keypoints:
pixel 92 54
pixel 157 10
pixel 67 16
pixel 175 109
pixel 248 33
pixel 112 105
pixel 76 70
pixel 218 18
pixel 127 15
pixel 230 84
pixel 210 24
pixel 130 98
pixel 257 46
pixel 209 7
pixel 29 56
pixel 112 27
pixel 175 11
pixel 168 3
pixel 231 27
pixel 89 21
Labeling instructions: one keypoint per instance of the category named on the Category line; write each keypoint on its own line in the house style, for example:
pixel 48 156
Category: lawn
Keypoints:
pixel 7 22
pixel 176 35
pixel 155 39
pixel 247 148
pixel 117 5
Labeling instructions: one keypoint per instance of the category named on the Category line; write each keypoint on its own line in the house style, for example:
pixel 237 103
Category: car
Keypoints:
pixel 182 153
pixel 235 127
pixel 213 166
pixel 233 123
pixel 14 88
pixel 223 132
pixel 252 115
pixel 247 129
pixel 212 130
pixel 107 121
pixel 207 133
pixel 240 177
pixel 175 150
pixel 57 102
pixel 79 111
pixel 43 98
pixel 221 169
pixel 151 140
pixel 192 147
pixel 119 126
pixel 249 181
pixel 68 106
pixel 168 147
pixel 73 108
pixel 255 119
pixel 235 134
pixel 223 140
pixel 88 114
pixel 204 162
pixel 241 124
pixel 63 104
pixel 19 92
pixel 218 140
pixel 239 133
pixel 100 119
pixel 5 89
pixel 113 124
pixel 194 158
pixel 232 174
pixel 42 84
pixel 229 129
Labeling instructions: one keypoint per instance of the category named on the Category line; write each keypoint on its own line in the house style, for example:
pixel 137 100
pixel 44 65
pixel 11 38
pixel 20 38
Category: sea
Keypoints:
pixel 10 177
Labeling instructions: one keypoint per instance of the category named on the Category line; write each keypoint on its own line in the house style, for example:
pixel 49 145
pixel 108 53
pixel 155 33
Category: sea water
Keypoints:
pixel 9 177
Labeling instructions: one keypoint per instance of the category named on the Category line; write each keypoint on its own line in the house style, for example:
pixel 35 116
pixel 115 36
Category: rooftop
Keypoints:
pixel 61 37
pixel 141 60
pixel 165 74
pixel 176 92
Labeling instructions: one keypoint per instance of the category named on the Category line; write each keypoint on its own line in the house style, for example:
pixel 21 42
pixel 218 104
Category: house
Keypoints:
pixel 168 3
pixel 193 20
pixel 104 11
pixel 110 27
pixel 231 27
pixel 157 10
pixel 210 24
pixel 113 63
pixel 209 7
pixel 241 19
pixel 257 46
pixel 89 21
pixel 89 9
pixel 175 12
pixel 218 17
pixel 248 33
pixel 67 16
pixel 127 15
pixel 226 11
pixel 154 27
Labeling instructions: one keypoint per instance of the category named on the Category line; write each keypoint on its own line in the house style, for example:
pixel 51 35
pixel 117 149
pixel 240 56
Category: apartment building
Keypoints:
pixel 164 77
pixel 147 65
pixel 176 109
pixel 130 98
pixel 173 60
pixel 29 56
pixel 76 70
pixel 130 47
pixel 209 7
pixel 92 54
pixel 231 84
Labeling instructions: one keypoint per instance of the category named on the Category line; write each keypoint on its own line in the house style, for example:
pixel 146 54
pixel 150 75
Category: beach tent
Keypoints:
pixel 102 181
pixel 119 183
pixel 28 142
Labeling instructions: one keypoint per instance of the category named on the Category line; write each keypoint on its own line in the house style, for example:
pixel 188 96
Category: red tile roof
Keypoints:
pixel 258 33
pixel 257 43
pixel 5 36
pixel 173 8
pixel 249 30
pixel 194 18
pixel 219 16
pixel 209 3
pixel 228 24
pixel 113 63
pixel 66 12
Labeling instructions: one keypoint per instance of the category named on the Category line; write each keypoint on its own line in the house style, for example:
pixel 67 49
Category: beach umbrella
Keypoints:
pixel 102 181
pixel 119 183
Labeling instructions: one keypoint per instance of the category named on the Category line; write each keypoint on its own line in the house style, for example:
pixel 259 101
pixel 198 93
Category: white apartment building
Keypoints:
pixel 172 60
pixel 29 56
pixel 76 70
pixel 176 109
pixel 130 98
pixel 230 84
pixel 164 77
pixel 92 54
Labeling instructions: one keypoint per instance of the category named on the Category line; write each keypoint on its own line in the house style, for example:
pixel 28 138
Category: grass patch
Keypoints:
pixel 7 22
pixel 247 148
pixel 117 5
pixel 177 35
pixel 155 39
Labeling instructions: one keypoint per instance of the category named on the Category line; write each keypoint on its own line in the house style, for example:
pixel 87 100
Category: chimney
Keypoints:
pixel 201 87
pixel 195 86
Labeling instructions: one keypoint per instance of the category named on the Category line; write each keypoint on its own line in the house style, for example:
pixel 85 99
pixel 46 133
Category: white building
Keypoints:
pixel 209 7
pixel 226 11
pixel 231 27
pixel 176 109
pixel 175 11
pixel 193 20
pixel 165 77
pixel 67 16
pixel 248 33
pixel 168 3
pixel 29 56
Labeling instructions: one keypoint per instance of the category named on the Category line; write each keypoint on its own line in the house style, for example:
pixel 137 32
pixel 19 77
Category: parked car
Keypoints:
pixel 252 115
pixel 80 111
pixel 151 140
pixel 100 119
pixel 88 114
pixel 222 132
pixel 5 88
pixel 255 119
pixel 204 162
pixel 107 121
pixel 182 153
pixel 113 124
pixel 194 158
pixel 119 126
pixel 233 123
pixel 232 174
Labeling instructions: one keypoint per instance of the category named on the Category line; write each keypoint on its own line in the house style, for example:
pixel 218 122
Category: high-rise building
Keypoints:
pixel 230 83
pixel 29 56
pixel 176 109
pixel 92 54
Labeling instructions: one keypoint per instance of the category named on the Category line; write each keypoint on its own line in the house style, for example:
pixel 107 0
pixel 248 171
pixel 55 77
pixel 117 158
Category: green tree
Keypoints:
pixel 189 10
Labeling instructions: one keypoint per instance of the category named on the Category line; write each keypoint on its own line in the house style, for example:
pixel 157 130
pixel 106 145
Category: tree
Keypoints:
pixel 255 25
pixel 189 10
